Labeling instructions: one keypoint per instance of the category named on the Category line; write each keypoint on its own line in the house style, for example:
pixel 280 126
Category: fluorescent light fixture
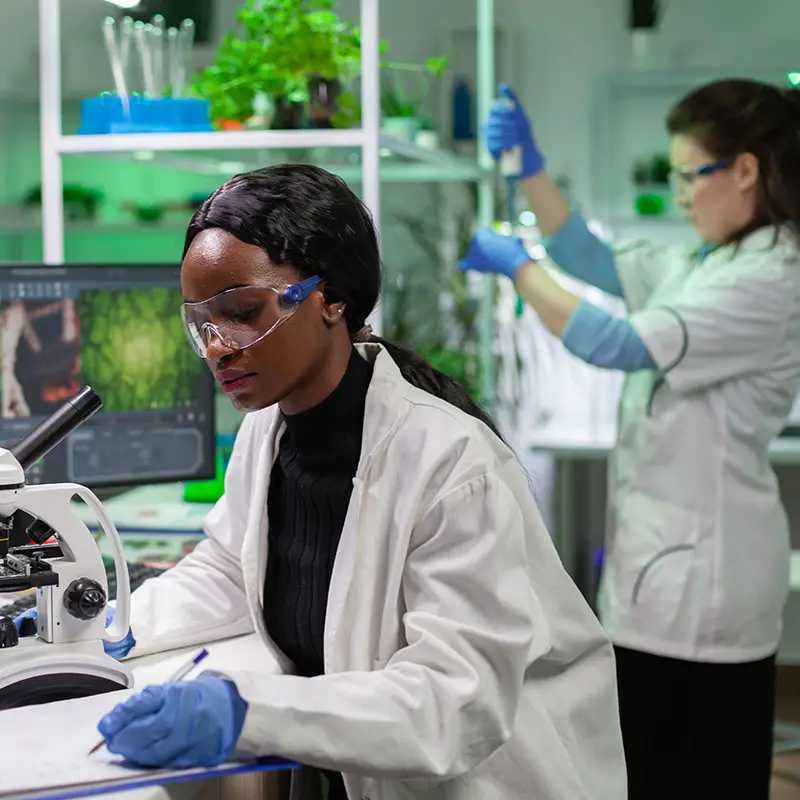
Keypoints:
pixel 125 3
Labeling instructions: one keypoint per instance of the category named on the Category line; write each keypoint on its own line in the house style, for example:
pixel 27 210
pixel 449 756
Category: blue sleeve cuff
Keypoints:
pixel 597 338
pixel 581 254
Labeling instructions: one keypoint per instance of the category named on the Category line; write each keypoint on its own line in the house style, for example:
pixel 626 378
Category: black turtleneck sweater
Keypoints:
pixel 309 493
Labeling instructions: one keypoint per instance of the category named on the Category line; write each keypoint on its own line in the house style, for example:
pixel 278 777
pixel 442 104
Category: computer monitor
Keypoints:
pixel 118 330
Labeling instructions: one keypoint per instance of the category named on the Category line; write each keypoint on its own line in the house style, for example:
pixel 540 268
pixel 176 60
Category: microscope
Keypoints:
pixel 45 546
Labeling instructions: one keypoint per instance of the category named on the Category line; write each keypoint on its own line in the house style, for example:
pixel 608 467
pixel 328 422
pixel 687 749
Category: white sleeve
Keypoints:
pixel 202 598
pixel 640 268
pixel 719 331
pixel 448 698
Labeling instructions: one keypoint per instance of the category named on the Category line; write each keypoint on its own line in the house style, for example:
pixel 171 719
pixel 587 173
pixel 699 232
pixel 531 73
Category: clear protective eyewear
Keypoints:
pixel 243 316
pixel 682 178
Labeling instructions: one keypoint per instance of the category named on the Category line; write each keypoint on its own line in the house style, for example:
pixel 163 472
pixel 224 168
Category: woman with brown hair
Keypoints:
pixel 697 550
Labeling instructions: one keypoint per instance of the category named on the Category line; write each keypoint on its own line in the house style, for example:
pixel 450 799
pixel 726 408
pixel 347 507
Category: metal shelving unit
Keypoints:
pixel 377 157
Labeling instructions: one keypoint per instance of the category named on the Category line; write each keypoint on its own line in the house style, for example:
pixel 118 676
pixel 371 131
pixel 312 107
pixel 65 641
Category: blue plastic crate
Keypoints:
pixel 105 115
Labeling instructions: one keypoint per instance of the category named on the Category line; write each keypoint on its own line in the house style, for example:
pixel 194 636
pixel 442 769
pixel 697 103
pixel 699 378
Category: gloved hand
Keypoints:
pixel 116 650
pixel 492 252
pixel 508 126
pixel 178 725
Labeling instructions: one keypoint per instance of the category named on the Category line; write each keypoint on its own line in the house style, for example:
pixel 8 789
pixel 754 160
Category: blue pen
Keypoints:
pixel 178 676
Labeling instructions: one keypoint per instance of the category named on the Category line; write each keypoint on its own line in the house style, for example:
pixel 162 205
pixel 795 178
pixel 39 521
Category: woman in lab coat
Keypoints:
pixel 377 535
pixel 697 551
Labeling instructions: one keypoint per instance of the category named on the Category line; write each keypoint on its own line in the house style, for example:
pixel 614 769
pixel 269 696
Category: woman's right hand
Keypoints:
pixel 508 126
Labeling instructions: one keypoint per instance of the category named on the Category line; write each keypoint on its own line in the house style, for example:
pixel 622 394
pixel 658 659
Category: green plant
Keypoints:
pixel 456 364
pixel 348 111
pixel 80 202
pixel 452 348
pixel 397 100
pixel 281 44
pixel 653 171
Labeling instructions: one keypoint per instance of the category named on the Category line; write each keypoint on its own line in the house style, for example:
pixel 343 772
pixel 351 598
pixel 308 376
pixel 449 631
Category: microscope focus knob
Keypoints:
pixel 8 633
pixel 84 599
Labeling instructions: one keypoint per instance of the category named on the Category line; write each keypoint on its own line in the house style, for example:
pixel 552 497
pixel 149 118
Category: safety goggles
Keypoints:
pixel 241 317
pixel 683 178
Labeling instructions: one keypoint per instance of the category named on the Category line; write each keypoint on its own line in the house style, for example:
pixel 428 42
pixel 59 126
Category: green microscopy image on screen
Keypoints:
pixel 134 352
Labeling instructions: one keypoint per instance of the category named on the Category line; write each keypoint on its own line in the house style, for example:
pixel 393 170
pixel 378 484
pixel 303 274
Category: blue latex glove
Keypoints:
pixel 508 126
pixel 494 253
pixel 116 650
pixel 178 725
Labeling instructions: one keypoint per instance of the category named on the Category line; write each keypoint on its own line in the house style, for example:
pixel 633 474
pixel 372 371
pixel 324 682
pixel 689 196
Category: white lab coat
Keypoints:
pixel 697 558
pixel 461 662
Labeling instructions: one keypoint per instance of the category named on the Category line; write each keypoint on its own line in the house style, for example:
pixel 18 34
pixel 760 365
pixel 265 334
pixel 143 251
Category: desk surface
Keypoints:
pixel 159 508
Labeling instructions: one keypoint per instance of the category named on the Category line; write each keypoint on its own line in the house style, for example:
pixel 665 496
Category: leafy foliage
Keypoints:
pixel 281 44
pixel 397 99
pixel 134 351
pixel 653 171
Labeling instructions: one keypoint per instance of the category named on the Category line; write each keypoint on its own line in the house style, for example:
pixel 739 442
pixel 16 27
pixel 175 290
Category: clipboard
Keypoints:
pixel 46 749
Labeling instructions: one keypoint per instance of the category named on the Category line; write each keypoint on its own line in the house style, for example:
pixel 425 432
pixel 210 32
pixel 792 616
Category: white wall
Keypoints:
pixel 568 42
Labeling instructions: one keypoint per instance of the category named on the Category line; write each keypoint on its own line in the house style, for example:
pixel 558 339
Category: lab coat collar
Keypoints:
pixel 761 239
pixel 765 238
pixel 385 398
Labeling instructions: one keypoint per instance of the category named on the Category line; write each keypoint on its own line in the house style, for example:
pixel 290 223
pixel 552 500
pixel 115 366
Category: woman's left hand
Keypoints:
pixel 178 725
pixel 495 253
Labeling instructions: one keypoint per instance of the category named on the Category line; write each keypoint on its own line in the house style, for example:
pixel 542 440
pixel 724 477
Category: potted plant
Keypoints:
pixel 404 89
pixel 285 50
pixel 651 179
pixel 81 203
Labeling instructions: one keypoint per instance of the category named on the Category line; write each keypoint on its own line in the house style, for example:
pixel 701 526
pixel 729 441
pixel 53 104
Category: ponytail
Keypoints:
pixel 418 372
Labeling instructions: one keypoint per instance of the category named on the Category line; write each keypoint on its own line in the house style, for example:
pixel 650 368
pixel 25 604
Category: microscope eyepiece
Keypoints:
pixel 40 441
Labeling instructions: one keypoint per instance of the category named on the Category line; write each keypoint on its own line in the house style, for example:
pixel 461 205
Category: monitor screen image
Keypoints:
pixel 118 330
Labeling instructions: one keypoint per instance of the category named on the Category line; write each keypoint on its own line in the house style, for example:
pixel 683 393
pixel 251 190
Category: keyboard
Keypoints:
pixel 138 574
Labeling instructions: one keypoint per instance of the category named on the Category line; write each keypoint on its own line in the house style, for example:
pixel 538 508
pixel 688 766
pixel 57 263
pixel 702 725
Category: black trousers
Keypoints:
pixel 696 730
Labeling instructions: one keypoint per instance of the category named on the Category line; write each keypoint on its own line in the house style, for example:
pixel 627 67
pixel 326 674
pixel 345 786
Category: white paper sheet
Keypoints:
pixel 48 745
